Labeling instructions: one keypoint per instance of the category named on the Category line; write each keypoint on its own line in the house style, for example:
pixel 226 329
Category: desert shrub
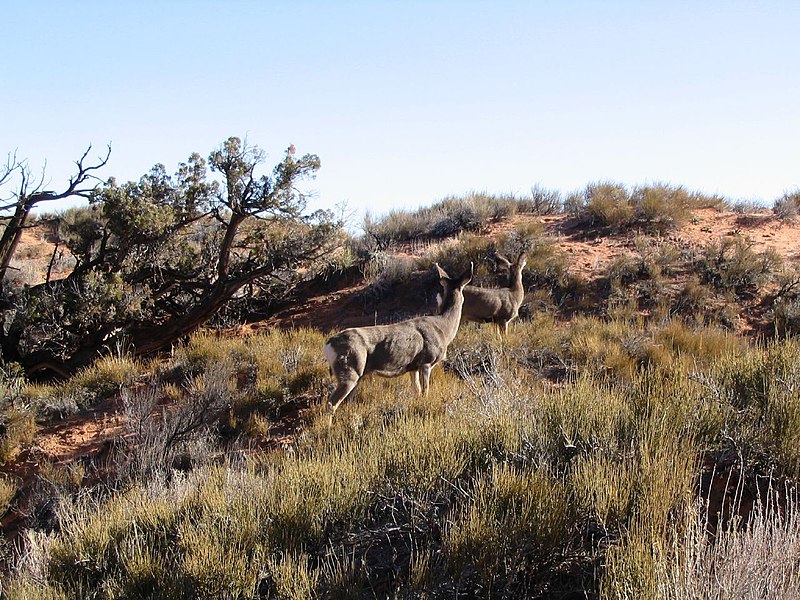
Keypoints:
pixel 204 349
pixel 625 269
pixel 454 215
pixel 788 282
pixel 17 419
pixel 787 206
pixel 696 344
pixel 732 264
pixel 541 202
pixel 700 200
pixel 392 227
pixel 575 203
pixel 743 207
pixel 17 429
pixel 605 348
pixel 7 492
pixel 658 258
pixel 786 316
pixel 752 560
pixel 536 344
pixel 661 206
pixel 691 299
pixel 608 205
pixel 456 255
pixel 384 271
pixel 339 262
pixel 107 376
pixel 161 438
pixel 651 295
pixel 446 218
pixel 762 391
pixel 519 522
pixel 654 207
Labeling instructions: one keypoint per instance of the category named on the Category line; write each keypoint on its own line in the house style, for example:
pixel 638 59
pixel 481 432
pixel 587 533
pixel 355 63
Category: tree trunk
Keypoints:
pixel 11 236
pixel 150 339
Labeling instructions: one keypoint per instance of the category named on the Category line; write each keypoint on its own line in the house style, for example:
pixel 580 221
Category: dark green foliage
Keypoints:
pixel 157 258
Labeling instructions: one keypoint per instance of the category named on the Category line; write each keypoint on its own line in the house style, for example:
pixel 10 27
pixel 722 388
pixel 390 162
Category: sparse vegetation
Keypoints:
pixel 787 206
pixel 454 215
pixel 435 493
pixel 657 207
pixel 733 265
pixel 592 452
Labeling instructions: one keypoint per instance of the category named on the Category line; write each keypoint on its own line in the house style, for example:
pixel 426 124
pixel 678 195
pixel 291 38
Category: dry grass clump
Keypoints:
pixel 761 389
pixel 662 206
pixel 786 316
pixel 17 429
pixel 384 272
pixel 17 420
pixel 655 207
pixel 787 206
pixel 608 349
pixel 514 527
pixel 542 201
pixel 756 559
pixel 107 376
pixel 7 492
pixel 497 484
pixel 454 215
pixel 607 205
pixel 454 255
pixel 786 308
pixel 270 371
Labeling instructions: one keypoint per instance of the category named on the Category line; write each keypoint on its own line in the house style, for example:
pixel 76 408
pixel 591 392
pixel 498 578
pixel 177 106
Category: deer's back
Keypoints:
pixel 389 349
pixel 485 304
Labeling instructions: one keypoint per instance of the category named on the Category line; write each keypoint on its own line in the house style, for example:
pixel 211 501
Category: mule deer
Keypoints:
pixel 497 305
pixel 413 346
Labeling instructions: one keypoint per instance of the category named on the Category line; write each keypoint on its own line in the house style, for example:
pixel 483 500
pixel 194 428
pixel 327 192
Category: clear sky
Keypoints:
pixel 406 102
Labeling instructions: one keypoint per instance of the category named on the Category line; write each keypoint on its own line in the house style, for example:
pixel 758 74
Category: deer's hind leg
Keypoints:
pixel 415 381
pixel 426 378
pixel 345 388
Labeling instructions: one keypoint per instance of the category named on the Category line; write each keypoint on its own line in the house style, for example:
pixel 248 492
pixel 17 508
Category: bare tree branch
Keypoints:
pixel 29 194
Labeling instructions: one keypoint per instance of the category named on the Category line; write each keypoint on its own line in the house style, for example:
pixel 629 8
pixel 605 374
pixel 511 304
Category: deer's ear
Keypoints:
pixel 466 276
pixel 502 260
pixel 442 273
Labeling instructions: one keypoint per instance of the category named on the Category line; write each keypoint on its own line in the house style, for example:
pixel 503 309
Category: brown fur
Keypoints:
pixel 413 346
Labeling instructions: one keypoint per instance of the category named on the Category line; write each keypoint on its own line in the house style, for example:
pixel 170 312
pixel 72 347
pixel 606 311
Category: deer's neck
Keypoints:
pixel 516 284
pixel 451 316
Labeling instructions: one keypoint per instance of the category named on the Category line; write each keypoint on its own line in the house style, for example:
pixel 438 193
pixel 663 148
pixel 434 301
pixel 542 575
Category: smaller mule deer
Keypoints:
pixel 413 346
pixel 497 305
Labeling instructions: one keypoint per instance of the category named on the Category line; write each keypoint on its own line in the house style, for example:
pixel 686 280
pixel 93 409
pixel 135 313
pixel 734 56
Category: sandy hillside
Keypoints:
pixel 87 436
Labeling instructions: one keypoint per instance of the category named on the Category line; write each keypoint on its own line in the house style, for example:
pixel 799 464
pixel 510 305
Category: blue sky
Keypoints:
pixel 408 102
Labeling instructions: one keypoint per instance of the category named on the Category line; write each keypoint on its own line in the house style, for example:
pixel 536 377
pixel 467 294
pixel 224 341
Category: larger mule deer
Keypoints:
pixel 413 346
pixel 497 305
